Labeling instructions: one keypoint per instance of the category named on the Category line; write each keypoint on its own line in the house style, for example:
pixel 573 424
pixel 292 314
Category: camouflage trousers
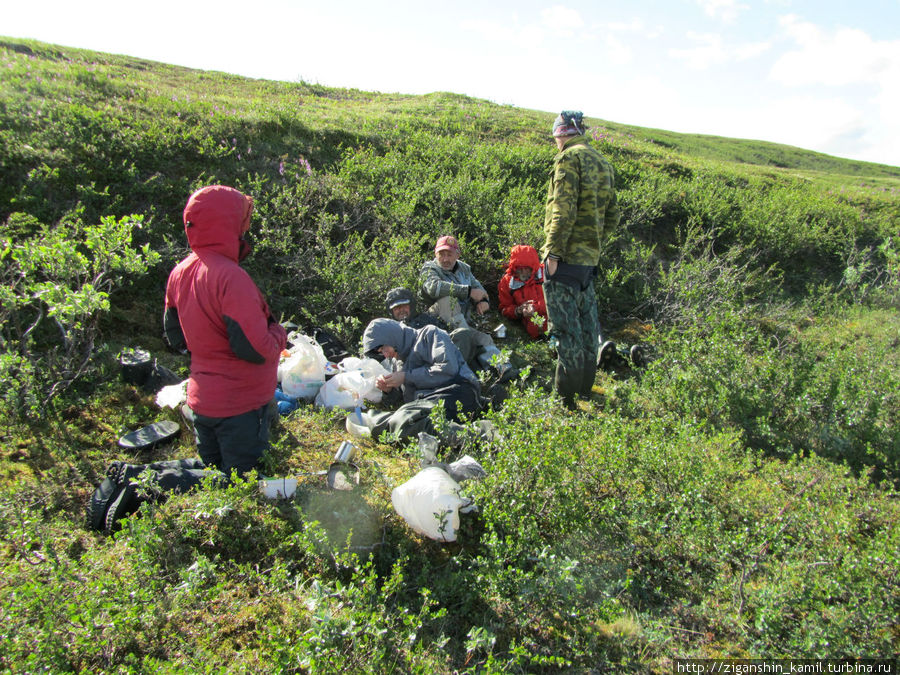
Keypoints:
pixel 574 322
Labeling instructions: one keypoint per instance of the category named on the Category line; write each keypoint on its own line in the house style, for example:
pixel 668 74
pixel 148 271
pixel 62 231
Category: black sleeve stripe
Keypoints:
pixel 239 343
pixel 172 329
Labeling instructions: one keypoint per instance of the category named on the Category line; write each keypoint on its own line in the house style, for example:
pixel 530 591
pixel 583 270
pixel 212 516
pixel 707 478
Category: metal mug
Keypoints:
pixel 345 453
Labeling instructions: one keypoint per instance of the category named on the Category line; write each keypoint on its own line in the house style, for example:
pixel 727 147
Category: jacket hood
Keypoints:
pixel 389 332
pixel 398 296
pixel 213 218
pixel 523 256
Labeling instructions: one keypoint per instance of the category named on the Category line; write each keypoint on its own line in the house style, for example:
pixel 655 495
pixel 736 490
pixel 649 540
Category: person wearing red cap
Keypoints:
pixel 448 283
pixel 215 311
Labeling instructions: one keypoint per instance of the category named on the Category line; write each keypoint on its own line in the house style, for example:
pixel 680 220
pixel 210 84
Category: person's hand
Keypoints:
pixel 478 294
pixel 482 306
pixel 550 265
pixel 391 381
pixel 526 309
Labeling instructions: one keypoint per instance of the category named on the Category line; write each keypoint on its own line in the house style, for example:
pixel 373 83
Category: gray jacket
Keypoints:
pixel 439 283
pixel 430 359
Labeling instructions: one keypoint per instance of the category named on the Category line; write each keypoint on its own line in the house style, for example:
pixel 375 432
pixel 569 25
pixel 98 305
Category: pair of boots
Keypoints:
pixel 117 496
pixel 612 355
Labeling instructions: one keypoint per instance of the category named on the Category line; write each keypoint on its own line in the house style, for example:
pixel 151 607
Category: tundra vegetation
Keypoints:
pixel 736 498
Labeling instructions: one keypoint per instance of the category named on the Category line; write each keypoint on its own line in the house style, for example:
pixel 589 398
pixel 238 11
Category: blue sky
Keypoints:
pixel 820 74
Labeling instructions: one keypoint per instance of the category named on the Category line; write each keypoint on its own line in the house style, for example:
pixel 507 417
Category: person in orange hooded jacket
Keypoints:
pixel 521 290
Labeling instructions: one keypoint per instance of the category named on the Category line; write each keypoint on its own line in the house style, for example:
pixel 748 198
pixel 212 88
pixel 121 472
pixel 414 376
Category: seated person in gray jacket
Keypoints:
pixel 477 348
pixel 429 366
pixel 448 283
pixel 455 293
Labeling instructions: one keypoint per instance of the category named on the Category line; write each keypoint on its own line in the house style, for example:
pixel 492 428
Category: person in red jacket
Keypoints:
pixel 521 290
pixel 214 310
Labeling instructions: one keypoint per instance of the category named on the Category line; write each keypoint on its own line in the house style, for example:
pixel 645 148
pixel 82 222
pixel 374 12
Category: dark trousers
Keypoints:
pixel 461 399
pixel 573 317
pixel 235 442
pixel 177 475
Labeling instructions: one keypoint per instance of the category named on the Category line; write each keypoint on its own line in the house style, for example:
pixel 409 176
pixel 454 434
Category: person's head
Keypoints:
pixel 217 217
pixel 523 262
pixel 446 252
pixel 387 338
pixel 524 273
pixel 567 124
pixel 400 303
pixel 400 312
pixel 387 352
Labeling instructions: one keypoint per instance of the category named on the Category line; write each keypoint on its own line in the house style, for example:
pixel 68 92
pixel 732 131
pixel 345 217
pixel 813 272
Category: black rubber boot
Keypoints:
pixel 125 503
pixel 103 495
pixel 567 383
pixel 607 355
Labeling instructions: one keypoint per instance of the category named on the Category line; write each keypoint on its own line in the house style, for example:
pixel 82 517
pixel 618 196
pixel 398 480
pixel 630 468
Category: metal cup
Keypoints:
pixel 345 453
pixel 500 331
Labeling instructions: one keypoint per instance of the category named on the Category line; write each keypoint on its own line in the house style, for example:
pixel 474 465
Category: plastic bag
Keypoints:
pixel 354 383
pixel 302 373
pixel 429 502
pixel 466 468
pixel 172 396
pixel 370 368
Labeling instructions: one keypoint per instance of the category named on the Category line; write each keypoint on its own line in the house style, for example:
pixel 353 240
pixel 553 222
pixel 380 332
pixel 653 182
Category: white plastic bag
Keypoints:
pixel 172 395
pixel 354 384
pixel 302 373
pixel 429 502
pixel 341 391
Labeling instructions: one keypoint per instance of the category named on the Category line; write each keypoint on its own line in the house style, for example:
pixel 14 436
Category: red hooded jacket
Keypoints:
pixel 514 292
pixel 214 309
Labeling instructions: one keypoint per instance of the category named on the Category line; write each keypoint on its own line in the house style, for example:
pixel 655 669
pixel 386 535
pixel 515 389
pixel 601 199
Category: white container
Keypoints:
pixel 355 429
pixel 278 488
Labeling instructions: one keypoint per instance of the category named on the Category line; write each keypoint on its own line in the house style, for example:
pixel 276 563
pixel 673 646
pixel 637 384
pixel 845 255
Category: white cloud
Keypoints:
pixel 726 10
pixel 521 36
pixel 561 21
pixel 712 50
pixel 855 66
pixel 848 56
pixel 812 121
pixel 619 51
pixel 750 50
pixel 709 50
pixel 634 27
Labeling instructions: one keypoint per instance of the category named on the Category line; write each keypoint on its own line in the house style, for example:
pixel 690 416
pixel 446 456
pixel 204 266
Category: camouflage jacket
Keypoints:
pixel 581 204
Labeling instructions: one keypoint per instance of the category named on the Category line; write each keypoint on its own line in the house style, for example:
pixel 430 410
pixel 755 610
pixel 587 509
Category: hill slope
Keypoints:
pixel 736 498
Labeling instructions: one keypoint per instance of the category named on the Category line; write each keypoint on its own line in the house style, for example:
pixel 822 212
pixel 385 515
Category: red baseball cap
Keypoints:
pixel 447 243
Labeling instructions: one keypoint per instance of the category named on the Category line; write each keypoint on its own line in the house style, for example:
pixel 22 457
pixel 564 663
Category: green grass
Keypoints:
pixel 738 498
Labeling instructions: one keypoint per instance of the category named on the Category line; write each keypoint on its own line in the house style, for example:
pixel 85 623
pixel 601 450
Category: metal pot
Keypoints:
pixel 345 453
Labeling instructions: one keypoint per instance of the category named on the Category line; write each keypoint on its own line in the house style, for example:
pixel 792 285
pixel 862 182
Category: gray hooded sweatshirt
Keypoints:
pixel 430 359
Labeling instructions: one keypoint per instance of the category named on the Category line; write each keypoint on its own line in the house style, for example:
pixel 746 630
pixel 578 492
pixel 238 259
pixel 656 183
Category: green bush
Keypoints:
pixel 56 285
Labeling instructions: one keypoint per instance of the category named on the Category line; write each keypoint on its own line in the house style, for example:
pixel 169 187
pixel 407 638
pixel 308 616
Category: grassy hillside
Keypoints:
pixel 761 153
pixel 737 498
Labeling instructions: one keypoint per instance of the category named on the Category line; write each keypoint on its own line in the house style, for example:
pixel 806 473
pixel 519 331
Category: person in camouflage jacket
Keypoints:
pixel 580 212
